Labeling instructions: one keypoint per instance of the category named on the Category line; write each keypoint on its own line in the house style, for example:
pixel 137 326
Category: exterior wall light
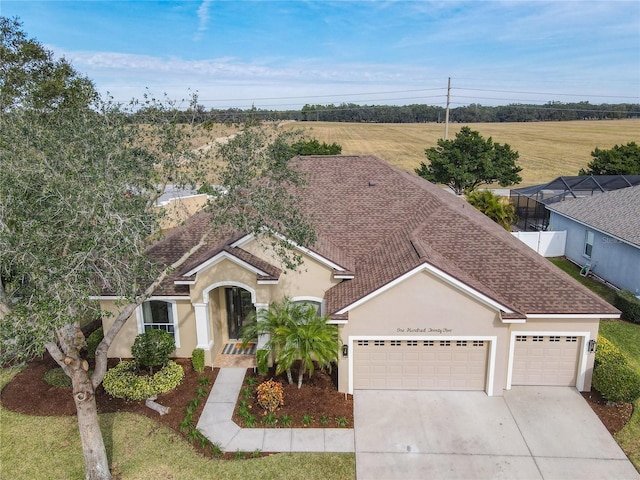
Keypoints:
pixel 345 350
pixel 592 346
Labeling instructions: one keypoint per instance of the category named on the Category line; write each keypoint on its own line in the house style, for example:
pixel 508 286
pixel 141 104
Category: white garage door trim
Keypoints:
pixel 492 351
pixel 582 358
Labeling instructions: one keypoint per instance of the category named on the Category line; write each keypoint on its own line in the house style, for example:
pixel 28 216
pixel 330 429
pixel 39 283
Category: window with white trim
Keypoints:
pixel 588 243
pixel 161 315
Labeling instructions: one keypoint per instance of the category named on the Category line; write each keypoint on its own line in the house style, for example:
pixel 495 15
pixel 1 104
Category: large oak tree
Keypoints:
pixel 470 160
pixel 78 186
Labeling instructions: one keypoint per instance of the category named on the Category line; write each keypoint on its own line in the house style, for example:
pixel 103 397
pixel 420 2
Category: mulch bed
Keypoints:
pixel 318 397
pixel 613 416
pixel 46 400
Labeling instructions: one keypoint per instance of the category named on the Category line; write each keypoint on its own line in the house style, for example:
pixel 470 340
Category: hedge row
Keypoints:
pixel 629 305
pixel 612 375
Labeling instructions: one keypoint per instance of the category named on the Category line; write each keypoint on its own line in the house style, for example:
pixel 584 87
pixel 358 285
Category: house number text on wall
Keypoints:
pixel 424 330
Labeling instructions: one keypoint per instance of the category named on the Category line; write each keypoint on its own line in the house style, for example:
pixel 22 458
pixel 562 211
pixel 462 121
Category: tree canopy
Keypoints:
pixel 314 147
pixel 78 188
pixel 619 160
pixel 498 209
pixel 470 160
pixel 30 77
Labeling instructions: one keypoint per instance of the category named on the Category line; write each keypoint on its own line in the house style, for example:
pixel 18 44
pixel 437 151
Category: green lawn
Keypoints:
pixel 625 336
pixel 138 448
pixel 599 288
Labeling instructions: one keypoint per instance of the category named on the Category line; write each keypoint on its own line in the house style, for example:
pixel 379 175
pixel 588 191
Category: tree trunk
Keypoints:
pixel 289 376
pixel 300 375
pixel 96 464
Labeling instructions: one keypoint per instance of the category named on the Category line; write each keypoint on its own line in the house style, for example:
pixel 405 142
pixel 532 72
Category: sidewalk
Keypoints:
pixel 217 425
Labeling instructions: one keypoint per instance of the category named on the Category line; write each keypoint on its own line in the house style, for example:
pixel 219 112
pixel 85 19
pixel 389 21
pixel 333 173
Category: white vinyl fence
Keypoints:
pixel 547 244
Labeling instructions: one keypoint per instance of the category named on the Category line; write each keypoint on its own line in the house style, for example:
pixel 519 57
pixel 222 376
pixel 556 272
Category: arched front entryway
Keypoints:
pixel 226 307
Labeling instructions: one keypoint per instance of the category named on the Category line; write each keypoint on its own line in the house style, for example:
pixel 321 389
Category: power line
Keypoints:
pixel 543 93
pixel 322 96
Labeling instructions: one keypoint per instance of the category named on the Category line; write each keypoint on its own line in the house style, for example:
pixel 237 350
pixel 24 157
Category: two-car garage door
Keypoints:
pixel 420 364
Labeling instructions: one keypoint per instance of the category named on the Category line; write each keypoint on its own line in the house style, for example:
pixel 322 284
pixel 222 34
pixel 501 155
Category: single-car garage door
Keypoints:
pixel 420 364
pixel 545 360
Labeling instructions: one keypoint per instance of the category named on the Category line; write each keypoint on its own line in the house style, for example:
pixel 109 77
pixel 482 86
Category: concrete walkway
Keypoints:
pixel 217 425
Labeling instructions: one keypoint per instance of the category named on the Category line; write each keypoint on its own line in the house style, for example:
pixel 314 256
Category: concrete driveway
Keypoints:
pixel 530 433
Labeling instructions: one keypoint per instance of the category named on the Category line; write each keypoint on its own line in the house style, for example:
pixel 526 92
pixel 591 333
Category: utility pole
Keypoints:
pixel 446 117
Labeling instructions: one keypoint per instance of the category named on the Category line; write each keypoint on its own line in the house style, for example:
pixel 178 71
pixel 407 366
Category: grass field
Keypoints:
pixel 547 149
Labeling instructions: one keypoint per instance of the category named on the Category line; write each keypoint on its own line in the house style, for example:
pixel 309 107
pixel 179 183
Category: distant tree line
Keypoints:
pixel 416 113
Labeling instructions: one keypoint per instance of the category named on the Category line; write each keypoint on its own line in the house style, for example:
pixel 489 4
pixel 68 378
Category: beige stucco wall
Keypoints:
pixel 121 346
pixel 312 278
pixel 425 306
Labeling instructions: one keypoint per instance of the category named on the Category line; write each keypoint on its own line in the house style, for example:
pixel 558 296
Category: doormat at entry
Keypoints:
pixel 236 349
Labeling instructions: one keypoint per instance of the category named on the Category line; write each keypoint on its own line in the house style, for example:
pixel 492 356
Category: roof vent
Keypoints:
pixel 372 183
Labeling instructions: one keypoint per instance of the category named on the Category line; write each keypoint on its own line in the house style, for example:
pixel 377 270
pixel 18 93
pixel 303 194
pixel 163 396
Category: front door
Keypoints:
pixel 239 310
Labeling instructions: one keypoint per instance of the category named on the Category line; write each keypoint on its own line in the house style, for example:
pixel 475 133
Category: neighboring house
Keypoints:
pixel 178 205
pixel 603 232
pixel 426 291
pixel 531 202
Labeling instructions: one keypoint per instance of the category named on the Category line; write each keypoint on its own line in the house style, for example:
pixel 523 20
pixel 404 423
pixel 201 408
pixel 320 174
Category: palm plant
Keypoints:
pixel 296 332
pixel 272 324
pixel 498 209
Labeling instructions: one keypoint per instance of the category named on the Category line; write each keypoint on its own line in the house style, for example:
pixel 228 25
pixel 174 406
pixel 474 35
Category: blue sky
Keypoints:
pixel 284 54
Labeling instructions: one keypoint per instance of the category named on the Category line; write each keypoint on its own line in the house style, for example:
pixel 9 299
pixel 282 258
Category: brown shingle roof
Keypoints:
pixel 391 221
pixel 380 223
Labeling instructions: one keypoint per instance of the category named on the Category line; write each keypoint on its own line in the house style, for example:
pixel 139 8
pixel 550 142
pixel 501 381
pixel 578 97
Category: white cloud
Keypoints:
pixel 226 82
pixel 203 18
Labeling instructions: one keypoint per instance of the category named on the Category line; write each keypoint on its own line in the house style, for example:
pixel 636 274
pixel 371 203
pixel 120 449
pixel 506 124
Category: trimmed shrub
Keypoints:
pixel 152 348
pixel 629 305
pixel 57 378
pixel 124 381
pixel 262 361
pixel 617 382
pixel 608 353
pixel 270 395
pixel 197 360
pixel 93 340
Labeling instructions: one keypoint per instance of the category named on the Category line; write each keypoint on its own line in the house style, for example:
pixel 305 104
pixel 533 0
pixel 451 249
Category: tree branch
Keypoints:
pixel 58 356
pixel 127 311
